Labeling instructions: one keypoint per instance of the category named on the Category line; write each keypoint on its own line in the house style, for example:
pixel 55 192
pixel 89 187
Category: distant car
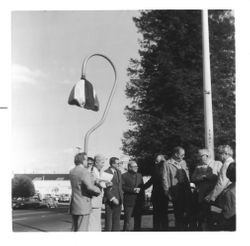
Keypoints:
pixel 17 204
pixel 37 197
pixel 64 198
pixel 49 203
pixel 47 195
pixel 57 197
pixel 25 203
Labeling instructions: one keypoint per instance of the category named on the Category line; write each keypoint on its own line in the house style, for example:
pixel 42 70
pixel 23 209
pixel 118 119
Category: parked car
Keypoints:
pixel 49 203
pixel 25 203
pixel 17 204
pixel 56 197
pixel 64 198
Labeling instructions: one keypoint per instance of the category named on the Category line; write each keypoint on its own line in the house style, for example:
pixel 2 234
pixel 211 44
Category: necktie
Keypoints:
pixel 135 180
pixel 117 175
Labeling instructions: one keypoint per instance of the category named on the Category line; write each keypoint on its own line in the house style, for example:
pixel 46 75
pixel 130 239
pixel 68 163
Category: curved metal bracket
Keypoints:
pixel 83 76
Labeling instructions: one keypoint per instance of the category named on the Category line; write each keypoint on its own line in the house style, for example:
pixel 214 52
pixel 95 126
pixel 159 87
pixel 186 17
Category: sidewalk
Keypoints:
pixel 58 220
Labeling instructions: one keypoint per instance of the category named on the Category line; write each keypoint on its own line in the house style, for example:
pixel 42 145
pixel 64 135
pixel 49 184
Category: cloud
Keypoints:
pixel 24 75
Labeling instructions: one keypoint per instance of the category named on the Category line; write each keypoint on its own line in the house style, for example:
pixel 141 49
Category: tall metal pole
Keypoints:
pixel 98 124
pixel 208 110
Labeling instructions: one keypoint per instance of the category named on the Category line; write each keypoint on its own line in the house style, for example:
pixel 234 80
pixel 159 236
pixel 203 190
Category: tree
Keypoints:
pixel 166 84
pixel 222 44
pixel 22 186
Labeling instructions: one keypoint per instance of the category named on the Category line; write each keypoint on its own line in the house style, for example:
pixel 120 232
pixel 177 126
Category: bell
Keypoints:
pixel 83 95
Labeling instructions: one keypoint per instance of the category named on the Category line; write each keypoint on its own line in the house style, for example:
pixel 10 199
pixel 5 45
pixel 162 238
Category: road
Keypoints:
pixel 43 220
pixel 58 220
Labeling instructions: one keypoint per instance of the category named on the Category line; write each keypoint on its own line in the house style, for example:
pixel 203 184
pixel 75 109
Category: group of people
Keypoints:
pixel 195 198
pixel 89 191
pixel 204 200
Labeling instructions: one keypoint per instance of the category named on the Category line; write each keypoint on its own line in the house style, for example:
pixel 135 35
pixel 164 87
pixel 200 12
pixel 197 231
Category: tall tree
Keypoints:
pixel 166 84
pixel 22 186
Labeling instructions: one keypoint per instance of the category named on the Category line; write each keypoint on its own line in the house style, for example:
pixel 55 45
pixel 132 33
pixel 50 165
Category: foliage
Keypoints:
pixel 166 84
pixel 22 186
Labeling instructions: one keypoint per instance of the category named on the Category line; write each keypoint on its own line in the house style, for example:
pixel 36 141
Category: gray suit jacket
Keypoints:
pixel 83 189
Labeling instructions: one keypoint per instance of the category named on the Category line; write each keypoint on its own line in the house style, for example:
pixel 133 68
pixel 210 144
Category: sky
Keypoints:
pixel 47 51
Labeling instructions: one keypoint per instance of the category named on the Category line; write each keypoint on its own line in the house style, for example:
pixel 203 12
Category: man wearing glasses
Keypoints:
pixel 132 183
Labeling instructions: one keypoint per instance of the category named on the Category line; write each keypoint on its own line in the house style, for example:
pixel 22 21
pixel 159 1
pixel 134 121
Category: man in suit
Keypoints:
pixel 132 184
pixel 159 195
pixel 113 197
pixel 83 189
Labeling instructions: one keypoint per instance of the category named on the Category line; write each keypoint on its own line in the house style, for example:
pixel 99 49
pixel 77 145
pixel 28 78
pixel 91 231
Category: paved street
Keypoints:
pixel 41 220
pixel 56 220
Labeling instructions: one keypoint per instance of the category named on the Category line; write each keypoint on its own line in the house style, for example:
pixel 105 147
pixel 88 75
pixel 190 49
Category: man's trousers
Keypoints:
pixel 129 211
pixel 80 222
pixel 160 213
pixel 112 217
pixel 95 223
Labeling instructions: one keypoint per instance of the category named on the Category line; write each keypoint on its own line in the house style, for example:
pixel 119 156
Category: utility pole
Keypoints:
pixel 208 108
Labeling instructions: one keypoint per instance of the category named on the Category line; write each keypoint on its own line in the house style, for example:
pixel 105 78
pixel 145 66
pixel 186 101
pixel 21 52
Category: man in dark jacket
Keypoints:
pixel 159 195
pixel 113 197
pixel 132 184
